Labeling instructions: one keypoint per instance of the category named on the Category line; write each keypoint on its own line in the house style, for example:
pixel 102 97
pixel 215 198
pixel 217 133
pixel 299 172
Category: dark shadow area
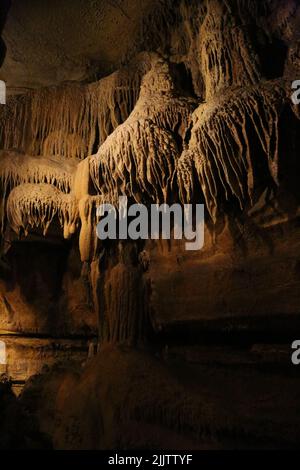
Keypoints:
pixel 4 8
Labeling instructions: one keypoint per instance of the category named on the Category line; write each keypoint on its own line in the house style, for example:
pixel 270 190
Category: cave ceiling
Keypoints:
pixel 49 43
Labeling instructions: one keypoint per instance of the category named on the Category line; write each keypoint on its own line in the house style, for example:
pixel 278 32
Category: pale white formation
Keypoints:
pixel 35 206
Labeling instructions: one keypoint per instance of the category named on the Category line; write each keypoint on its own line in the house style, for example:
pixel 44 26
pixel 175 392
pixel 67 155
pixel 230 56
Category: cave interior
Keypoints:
pixel 141 344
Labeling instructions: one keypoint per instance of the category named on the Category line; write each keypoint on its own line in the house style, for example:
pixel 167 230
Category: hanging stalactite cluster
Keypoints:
pixel 226 56
pixel 139 158
pixel 138 133
pixel 35 205
pixel 23 171
pixel 146 157
pixel 70 121
pixel 228 135
pixel 17 168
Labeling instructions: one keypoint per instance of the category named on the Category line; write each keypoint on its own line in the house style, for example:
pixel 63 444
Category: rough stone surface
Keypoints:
pixel 49 43
pixel 194 347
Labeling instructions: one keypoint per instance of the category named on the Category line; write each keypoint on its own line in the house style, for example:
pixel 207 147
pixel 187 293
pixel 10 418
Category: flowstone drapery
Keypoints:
pixel 199 124
pixel 181 338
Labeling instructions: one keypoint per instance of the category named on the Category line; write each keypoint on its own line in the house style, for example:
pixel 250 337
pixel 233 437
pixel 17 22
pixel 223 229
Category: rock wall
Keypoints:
pixel 202 115
pixel 205 125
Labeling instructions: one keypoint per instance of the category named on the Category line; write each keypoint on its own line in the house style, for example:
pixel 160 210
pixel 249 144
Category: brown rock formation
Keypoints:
pixel 203 115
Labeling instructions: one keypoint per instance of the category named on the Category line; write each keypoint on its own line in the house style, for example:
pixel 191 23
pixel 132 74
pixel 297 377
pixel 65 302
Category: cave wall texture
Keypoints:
pixel 165 101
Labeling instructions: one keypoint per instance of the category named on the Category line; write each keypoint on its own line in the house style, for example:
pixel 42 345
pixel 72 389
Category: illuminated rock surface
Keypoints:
pixel 191 104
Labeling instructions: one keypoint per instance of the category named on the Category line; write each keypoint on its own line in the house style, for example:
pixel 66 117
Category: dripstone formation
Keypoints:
pixel 198 109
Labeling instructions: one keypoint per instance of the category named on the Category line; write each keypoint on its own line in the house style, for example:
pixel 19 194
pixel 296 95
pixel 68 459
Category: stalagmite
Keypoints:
pixel 124 318
pixel 174 304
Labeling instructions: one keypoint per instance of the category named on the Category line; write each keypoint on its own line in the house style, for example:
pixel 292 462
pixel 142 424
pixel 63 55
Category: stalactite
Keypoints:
pixel 17 168
pixel 160 101
pixel 226 55
pixel 48 121
pixel 82 179
pixel 15 119
pixel 193 15
pixel 124 317
pixel 112 98
pixel 69 121
pixel 228 137
pixel 88 217
pixel 36 205
pixel 138 159
pixel 135 133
